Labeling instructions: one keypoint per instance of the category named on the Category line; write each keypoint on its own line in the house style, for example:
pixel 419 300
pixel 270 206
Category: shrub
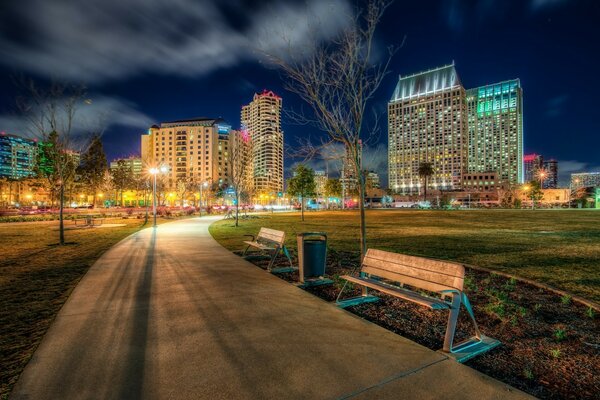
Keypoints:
pixel 566 299
pixel 560 334
pixel 590 313
pixel 555 353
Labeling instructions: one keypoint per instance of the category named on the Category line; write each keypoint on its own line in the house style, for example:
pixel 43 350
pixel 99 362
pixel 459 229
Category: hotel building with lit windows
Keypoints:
pixel 427 123
pixel 262 119
pixel 495 130
pixel 462 133
pixel 193 149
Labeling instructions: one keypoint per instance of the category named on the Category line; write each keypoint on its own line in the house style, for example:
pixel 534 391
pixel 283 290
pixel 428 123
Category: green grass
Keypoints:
pixel 37 276
pixel 557 247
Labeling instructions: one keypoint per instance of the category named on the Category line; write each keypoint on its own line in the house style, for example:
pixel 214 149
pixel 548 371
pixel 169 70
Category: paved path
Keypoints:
pixel 169 314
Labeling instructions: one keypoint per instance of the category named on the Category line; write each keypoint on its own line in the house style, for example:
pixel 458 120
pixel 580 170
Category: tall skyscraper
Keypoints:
pixel 550 180
pixel 349 176
pixel 133 163
pixel 17 157
pixel 495 129
pixel 532 164
pixel 432 118
pixel 262 119
pixel 192 149
pixel 427 123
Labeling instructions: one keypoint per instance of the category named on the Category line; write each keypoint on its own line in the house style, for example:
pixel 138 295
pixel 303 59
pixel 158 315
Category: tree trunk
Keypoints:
pixel 302 207
pixel 237 208
pixel 61 227
pixel 425 192
pixel 363 222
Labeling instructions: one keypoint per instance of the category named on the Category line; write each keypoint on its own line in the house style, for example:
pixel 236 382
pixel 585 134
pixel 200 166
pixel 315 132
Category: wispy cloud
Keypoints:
pixel 112 39
pixel 97 114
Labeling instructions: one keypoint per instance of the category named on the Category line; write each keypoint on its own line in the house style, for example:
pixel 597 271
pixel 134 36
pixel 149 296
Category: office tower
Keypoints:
pixel 532 164
pixel 262 119
pixel 18 157
pixel 320 182
pixel 372 180
pixel 495 130
pixel 427 123
pixel 550 180
pixel 349 176
pixel 194 150
pixel 585 179
pixel 133 163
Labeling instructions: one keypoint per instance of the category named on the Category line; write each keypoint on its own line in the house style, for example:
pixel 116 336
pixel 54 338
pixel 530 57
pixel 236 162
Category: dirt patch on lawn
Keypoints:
pixel 550 343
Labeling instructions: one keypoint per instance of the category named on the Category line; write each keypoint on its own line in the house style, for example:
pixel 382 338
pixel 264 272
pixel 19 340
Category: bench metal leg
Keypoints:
pixel 452 319
pixel 471 347
pixel 282 270
pixel 365 297
pixel 245 251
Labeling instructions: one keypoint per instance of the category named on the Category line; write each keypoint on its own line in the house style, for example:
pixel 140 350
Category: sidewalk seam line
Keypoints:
pixel 389 379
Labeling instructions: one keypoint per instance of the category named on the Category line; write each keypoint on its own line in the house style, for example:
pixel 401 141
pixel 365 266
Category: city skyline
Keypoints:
pixel 541 43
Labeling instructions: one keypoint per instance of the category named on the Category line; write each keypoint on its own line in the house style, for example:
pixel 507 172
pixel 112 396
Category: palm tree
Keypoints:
pixel 425 171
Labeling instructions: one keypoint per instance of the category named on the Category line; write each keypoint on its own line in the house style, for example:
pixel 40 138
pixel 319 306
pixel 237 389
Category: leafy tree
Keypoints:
pixel 535 192
pixel 302 184
pixel 425 172
pixel 93 166
pixel 333 187
pixel 122 177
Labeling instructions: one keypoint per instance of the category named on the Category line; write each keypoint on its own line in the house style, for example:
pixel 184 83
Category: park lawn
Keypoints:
pixel 560 248
pixel 36 278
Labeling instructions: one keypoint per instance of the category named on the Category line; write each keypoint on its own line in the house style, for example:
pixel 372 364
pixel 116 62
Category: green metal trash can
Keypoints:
pixel 312 255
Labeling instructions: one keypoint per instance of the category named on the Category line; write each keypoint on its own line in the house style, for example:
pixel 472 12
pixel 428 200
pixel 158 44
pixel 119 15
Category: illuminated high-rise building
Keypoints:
pixel 17 157
pixel 432 118
pixel 495 130
pixel 427 123
pixel 192 149
pixel 132 163
pixel 550 180
pixel 532 164
pixel 262 119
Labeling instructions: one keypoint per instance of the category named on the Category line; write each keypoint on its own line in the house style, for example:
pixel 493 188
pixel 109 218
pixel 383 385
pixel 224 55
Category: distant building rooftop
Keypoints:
pixel 427 82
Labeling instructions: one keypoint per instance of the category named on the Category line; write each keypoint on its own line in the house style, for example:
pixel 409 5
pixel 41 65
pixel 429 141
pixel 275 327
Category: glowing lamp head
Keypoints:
pixel 153 171
pixel 164 169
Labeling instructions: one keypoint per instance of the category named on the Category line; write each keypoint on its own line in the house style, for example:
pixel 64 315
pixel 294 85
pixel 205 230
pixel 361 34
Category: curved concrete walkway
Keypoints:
pixel 170 314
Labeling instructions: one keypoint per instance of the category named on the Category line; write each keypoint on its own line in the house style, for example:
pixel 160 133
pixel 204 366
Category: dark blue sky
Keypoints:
pixel 147 61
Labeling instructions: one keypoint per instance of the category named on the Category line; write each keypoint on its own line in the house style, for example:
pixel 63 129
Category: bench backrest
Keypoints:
pixel 271 235
pixel 423 273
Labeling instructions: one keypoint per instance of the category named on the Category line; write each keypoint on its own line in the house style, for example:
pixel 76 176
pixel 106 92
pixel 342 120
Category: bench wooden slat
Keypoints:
pixel 439 266
pixel 384 265
pixel 434 304
pixel 259 245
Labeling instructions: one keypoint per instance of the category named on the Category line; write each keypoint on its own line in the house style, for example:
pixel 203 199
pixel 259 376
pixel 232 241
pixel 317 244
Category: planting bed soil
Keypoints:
pixel 550 343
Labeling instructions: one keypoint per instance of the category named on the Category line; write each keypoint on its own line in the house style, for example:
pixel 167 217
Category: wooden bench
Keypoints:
pixel 388 273
pixel 89 220
pixel 271 241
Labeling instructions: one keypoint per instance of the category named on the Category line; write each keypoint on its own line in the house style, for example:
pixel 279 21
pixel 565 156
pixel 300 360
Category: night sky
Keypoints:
pixel 147 61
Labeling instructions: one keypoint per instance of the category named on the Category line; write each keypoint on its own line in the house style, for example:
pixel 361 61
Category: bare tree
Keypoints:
pixel 51 113
pixel 338 79
pixel 240 178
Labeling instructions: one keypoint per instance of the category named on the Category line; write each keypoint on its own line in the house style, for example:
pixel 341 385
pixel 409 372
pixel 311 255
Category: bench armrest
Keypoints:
pixel 252 236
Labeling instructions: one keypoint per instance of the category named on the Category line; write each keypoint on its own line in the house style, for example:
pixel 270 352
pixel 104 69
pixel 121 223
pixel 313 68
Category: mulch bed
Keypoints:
pixel 550 344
